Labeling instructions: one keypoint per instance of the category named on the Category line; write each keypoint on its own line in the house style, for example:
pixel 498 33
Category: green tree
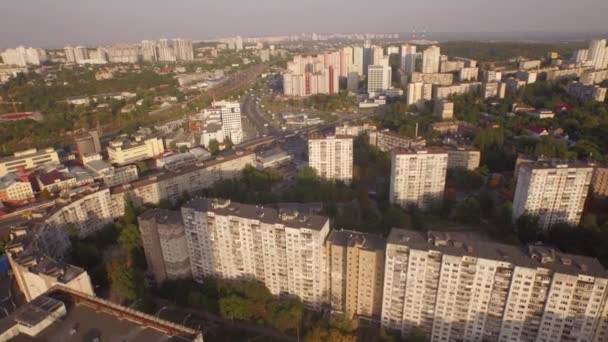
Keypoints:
pixel 125 280
pixel 129 238
pixel 235 307
pixel 528 229
pixel 228 144
pixel 214 147
pixel 44 195
pixel 468 211
pixel 142 166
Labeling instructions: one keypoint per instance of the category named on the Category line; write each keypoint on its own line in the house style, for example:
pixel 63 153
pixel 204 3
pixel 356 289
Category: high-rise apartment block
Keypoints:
pixel 418 176
pixel 462 287
pixel 183 49
pixel 408 58
pixel 282 249
pixel 599 181
pixel 585 92
pixel 598 54
pixel 332 157
pixel 356 264
pixel 22 56
pixel 463 157
pixel 312 75
pixel 553 191
pixel 164 241
pixel 419 92
pixel 430 60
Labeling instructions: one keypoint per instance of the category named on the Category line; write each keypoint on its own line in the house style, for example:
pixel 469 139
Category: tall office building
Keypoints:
pixel 229 115
pixel 554 192
pixel 418 176
pixel 332 157
pixel 183 50
pixel 358 61
pixel 379 78
pixel 462 287
pixel 283 249
pixel 408 58
pixel 597 53
pixel 346 60
pixel 356 263
pixel 430 60
pixel 164 241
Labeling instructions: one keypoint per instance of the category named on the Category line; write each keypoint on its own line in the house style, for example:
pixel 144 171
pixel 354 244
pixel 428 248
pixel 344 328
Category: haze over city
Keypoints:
pixel 49 23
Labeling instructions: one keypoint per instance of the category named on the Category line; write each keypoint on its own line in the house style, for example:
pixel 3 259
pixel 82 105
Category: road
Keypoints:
pixel 250 109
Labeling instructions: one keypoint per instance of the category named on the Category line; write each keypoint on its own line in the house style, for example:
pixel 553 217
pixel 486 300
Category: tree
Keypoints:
pixel 319 334
pixel 129 238
pixel 142 166
pixel 235 307
pixel 125 280
pixel 130 216
pixel 528 229
pixel 307 175
pixel 468 211
pixel 45 195
pixel 228 144
pixel 214 147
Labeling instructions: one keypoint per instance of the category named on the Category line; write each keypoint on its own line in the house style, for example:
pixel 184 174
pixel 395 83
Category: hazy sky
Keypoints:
pixel 47 23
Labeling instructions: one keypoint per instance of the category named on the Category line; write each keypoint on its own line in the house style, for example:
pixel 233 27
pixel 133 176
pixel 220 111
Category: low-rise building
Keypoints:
pixel 123 151
pixel 272 158
pixel 463 157
pixel 27 160
pixel 35 272
pixel 15 188
pixel 386 140
pixel 585 92
pixel 55 181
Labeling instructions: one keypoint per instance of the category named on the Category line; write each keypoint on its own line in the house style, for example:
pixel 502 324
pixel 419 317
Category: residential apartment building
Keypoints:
pixel 418 93
pixel 444 109
pixel 463 157
pixel 494 89
pixel 22 56
pixel 408 58
pixel 430 59
pixel 599 181
pixel 281 248
pixel 386 140
pixel 468 74
pixel 310 75
pixel 356 273
pixel 27 160
pixel 418 176
pixel 164 240
pixel 87 211
pixel 35 272
pixel 463 287
pixel 332 157
pixel 584 92
pixel 553 191
pixel 15 188
pixel 442 92
pixel 124 151
pixel 227 115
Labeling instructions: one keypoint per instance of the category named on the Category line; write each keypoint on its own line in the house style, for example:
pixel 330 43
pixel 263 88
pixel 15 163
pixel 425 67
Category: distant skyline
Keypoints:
pixel 55 23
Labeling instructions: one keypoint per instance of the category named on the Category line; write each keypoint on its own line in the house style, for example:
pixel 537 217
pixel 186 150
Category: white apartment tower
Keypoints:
pixel 408 58
pixel 597 53
pixel 430 60
pixel 282 249
pixel 183 49
pixel 461 287
pixel 418 176
pixel 346 61
pixel 230 113
pixel 552 191
pixel 358 60
pixel 332 157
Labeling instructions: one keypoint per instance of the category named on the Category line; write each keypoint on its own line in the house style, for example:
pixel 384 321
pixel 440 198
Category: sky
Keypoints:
pixel 55 23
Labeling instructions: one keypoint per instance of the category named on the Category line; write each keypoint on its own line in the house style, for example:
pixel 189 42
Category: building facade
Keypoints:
pixel 332 157
pixel 27 160
pixel 418 176
pixel 282 249
pixel 554 192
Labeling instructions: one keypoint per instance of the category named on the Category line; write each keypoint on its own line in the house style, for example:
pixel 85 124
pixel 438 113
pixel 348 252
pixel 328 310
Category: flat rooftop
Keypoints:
pixel 266 214
pixel 88 318
pixel 351 238
pixel 475 245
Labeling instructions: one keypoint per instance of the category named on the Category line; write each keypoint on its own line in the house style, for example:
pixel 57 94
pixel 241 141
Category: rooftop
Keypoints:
pixel 426 150
pixel 352 238
pixel 475 245
pixel 162 216
pixel 78 317
pixel 289 218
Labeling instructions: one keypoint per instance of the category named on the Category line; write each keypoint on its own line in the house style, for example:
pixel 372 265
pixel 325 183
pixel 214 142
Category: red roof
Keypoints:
pixel 536 129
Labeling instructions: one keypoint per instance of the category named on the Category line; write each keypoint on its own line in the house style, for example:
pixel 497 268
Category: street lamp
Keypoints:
pixel 159 310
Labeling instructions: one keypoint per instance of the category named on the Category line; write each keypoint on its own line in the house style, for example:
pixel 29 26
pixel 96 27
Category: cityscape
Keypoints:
pixel 391 185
